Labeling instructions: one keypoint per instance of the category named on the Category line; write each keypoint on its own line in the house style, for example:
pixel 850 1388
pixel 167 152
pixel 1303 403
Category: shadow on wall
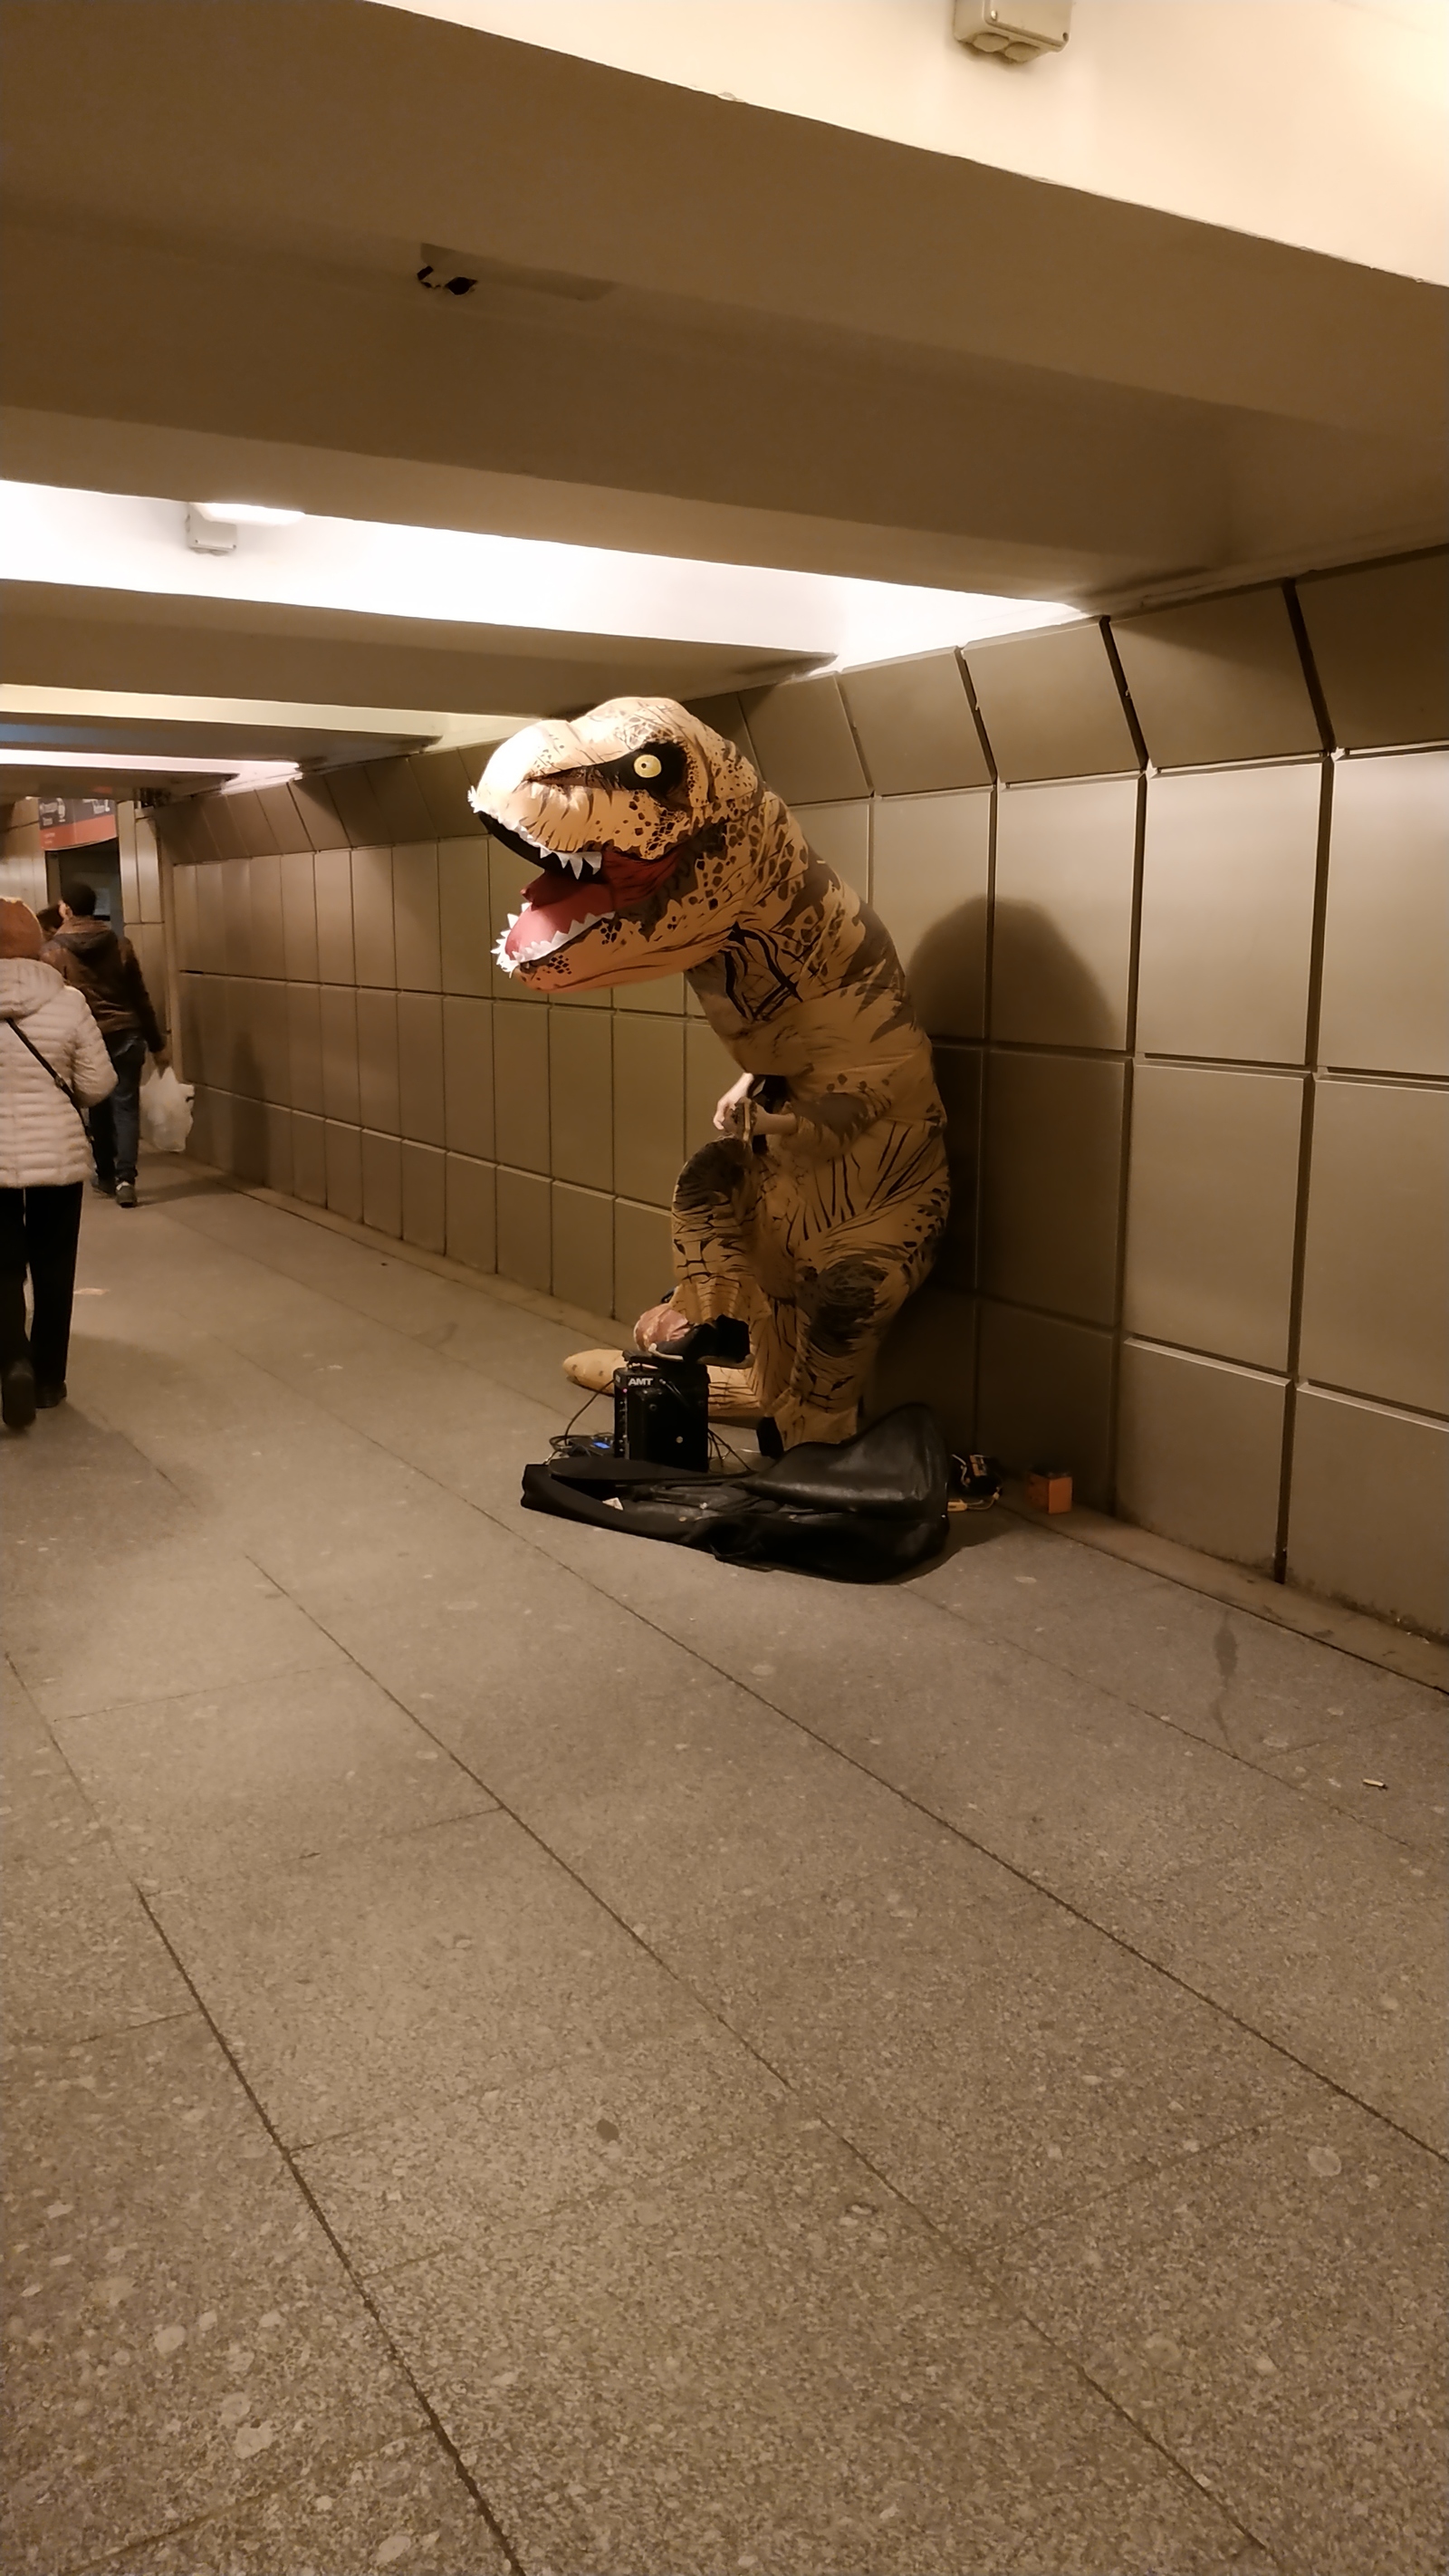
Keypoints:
pixel 1033 1137
pixel 249 1158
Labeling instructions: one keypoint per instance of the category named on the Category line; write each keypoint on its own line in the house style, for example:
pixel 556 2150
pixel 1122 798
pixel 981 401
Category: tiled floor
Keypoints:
pixel 531 2049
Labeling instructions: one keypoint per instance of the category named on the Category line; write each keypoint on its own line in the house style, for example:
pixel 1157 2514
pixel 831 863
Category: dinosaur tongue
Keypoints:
pixel 553 909
pixel 556 906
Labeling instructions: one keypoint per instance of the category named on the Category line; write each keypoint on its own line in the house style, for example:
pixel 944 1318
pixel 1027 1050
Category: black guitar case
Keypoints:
pixel 862 1511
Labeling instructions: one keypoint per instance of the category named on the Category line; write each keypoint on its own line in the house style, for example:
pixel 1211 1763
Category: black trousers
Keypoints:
pixel 39 1232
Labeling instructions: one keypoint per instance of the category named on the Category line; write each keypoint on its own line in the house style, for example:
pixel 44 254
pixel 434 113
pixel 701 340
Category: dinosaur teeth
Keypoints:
pixel 578 863
pixel 558 939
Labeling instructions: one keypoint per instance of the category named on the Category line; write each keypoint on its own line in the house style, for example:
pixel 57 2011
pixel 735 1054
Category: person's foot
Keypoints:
pixel 46 1396
pixel 126 1194
pixel 17 1395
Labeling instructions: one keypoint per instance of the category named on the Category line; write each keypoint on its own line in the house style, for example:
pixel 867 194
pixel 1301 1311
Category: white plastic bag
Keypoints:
pixel 166 1112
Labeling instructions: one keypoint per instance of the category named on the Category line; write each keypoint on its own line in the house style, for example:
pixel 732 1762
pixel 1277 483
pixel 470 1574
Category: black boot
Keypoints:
pixel 17 1395
pixel 726 1341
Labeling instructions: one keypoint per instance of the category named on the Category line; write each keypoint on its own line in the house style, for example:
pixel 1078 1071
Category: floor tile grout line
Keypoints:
pixel 831 1748
pixel 1210 1744
pixel 789 1719
pixel 95 2038
pixel 510 1295
pixel 968 2259
pixel 1266 1615
pixel 943 1823
pixel 979 1627
pixel 173 1699
pixel 440 2431
pixel 413 1341
pixel 1261 1617
pixel 197 2521
pixel 1103 1931
pixel 715 2014
pixel 969 2254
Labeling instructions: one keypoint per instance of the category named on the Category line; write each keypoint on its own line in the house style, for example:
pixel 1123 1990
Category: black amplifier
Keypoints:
pixel 661 1411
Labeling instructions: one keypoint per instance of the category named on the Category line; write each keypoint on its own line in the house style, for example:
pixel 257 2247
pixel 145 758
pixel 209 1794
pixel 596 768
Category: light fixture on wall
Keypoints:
pixel 211 526
pixel 1016 31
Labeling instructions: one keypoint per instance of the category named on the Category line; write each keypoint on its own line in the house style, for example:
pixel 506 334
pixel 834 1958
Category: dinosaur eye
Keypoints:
pixel 656 767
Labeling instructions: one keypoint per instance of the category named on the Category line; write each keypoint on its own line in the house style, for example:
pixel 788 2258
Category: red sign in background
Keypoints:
pixel 72 822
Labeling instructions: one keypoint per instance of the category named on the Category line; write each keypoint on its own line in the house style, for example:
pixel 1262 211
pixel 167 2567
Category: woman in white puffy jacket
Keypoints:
pixel 49 1045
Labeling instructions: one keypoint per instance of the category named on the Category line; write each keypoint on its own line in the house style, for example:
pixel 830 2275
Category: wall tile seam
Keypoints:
pixel 1114 660
pixel 1232 768
pixel 1047 1314
pixel 1318 696
pixel 868 797
pixel 1133 1340
pixel 1371 1078
pixel 1303 1180
pixel 979 721
pixel 981 1048
pixel 1068 778
pixel 1286 1067
pixel 1129 1079
pixel 1044 1046
pixel 1375 1403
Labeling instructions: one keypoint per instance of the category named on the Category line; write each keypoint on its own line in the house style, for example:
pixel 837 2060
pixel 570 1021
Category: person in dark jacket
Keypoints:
pixel 106 972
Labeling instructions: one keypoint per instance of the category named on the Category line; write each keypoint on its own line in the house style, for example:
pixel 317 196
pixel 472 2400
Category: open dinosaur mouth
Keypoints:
pixel 578 889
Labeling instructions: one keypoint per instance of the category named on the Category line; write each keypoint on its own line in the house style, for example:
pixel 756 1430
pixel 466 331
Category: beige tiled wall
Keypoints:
pixel 143 908
pixel 1170 894
pixel 354 1044
pixel 22 858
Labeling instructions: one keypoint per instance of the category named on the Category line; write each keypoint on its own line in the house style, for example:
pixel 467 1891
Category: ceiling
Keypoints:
pixel 702 330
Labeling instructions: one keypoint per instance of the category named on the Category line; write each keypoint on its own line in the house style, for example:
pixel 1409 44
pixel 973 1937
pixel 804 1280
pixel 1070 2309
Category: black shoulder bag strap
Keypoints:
pixel 57 1078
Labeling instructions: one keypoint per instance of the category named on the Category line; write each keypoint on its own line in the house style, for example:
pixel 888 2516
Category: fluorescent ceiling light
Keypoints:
pixel 150 764
pixel 112 760
pixel 248 514
pixel 106 540
pixel 441 729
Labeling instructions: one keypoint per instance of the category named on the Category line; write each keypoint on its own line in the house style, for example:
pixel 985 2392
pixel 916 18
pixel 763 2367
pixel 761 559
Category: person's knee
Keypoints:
pixel 713 1178
pixel 849 1301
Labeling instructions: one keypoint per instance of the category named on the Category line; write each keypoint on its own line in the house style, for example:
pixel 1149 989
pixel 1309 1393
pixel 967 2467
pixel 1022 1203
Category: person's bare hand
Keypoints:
pixel 727 1120
pixel 659 1327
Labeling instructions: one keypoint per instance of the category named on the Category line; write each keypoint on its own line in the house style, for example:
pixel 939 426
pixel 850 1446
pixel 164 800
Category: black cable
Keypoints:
pixel 559 1440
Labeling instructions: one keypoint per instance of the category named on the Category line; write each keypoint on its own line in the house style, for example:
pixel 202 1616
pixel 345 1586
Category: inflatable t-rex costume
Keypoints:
pixel 664 852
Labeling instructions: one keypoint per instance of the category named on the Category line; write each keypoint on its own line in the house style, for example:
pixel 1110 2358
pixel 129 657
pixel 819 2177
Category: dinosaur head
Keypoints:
pixel 636 812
